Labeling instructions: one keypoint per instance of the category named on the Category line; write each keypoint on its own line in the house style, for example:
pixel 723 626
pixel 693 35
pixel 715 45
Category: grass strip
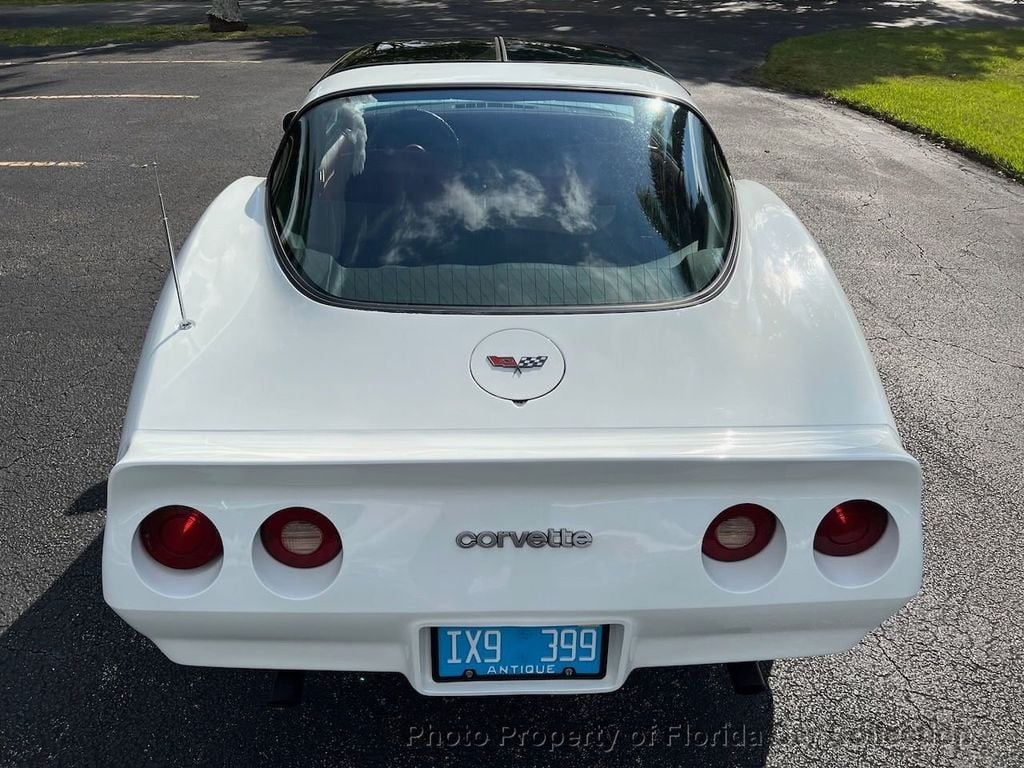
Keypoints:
pixel 963 86
pixel 98 34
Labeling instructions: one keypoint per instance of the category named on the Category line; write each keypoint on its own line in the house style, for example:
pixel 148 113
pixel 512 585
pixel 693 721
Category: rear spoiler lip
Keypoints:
pixel 879 442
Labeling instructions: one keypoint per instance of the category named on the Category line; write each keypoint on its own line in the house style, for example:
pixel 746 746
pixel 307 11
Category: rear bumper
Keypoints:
pixel 400 643
pixel 401 571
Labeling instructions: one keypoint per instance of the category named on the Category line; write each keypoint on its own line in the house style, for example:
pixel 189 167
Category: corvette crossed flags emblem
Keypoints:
pixel 517 366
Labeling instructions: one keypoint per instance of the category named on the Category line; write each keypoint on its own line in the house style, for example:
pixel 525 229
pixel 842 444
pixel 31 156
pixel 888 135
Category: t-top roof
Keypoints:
pixel 488 49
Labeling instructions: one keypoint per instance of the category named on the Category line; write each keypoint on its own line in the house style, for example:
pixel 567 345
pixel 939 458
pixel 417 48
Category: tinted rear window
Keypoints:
pixel 504 199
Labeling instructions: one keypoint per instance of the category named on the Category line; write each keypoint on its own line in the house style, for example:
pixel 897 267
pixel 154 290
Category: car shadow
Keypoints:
pixel 92 499
pixel 81 687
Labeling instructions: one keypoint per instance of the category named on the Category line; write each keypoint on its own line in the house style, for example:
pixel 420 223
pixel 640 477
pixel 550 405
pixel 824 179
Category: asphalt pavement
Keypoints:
pixel 928 245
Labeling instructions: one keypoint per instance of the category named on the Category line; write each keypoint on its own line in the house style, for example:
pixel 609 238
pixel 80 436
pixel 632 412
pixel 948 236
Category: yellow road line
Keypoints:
pixel 99 96
pixel 41 164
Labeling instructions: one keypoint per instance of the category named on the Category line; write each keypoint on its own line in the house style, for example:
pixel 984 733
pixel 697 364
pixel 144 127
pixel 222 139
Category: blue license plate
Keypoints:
pixel 564 651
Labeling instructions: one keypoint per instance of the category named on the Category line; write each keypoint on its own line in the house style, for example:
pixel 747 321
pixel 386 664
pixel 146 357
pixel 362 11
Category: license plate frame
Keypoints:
pixel 435 660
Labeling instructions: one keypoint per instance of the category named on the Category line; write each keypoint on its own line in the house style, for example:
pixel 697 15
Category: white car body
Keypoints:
pixel 765 393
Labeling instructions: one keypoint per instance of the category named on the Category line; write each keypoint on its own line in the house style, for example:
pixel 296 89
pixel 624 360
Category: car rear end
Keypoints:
pixel 501 382
pixel 642 580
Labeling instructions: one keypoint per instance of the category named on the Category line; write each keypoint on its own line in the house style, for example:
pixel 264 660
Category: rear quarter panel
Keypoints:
pixel 779 346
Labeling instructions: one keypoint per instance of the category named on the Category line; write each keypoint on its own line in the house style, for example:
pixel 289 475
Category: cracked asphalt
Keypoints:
pixel 929 247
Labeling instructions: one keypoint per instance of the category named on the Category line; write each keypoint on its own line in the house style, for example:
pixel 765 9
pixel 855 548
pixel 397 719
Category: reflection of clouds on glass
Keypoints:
pixel 494 199
pixel 590 259
pixel 574 211
pixel 361 101
pixel 503 198
pixel 346 157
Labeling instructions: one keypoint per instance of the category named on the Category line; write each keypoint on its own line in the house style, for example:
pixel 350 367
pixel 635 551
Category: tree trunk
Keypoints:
pixel 225 16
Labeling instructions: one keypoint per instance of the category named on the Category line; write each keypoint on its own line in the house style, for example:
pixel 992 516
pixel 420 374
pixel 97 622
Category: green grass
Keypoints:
pixel 962 86
pixel 138 33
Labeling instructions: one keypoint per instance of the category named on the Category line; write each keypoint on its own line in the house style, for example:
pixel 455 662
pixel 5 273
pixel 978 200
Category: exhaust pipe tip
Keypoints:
pixel 747 678
pixel 287 689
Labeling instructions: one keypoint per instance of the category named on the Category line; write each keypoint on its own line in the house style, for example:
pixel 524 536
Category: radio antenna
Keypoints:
pixel 185 323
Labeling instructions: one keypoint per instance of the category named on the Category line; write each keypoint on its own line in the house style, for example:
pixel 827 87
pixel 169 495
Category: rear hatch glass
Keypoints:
pixel 504 199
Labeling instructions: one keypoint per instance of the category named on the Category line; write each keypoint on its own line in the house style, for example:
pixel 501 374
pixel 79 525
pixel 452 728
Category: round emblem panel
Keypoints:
pixel 517 365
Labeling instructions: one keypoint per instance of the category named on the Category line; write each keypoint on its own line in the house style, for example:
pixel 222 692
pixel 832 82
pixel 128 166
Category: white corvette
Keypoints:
pixel 499 380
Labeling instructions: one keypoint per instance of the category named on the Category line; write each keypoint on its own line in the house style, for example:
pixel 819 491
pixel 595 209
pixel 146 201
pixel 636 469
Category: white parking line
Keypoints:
pixel 154 61
pixel 123 62
pixel 100 96
pixel 41 164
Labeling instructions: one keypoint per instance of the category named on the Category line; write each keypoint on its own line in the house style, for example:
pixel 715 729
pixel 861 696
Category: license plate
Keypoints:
pixel 564 651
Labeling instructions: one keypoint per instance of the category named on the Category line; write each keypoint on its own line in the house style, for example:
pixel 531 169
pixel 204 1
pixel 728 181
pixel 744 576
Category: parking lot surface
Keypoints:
pixel 928 246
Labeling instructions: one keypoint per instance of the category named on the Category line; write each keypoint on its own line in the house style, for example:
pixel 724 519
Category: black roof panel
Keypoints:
pixel 412 51
pixel 488 49
pixel 551 51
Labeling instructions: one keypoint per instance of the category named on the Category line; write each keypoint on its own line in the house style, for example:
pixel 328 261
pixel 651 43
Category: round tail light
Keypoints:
pixel 738 533
pixel 300 537
pixel 850 528
pixel 180 537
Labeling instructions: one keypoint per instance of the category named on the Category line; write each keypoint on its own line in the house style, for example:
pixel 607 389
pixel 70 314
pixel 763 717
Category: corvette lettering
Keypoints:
pixel 553 537
pixel 525 363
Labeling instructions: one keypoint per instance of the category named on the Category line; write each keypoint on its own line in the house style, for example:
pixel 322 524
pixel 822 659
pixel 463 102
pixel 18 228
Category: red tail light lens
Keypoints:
pixel 300 537
pixel 180 537
pixel 851 528
pixel 738 533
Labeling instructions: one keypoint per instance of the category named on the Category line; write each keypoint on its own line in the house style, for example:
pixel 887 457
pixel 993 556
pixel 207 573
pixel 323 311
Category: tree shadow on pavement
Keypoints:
pixel 8 89
pixel 80 687
pixel 700 41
